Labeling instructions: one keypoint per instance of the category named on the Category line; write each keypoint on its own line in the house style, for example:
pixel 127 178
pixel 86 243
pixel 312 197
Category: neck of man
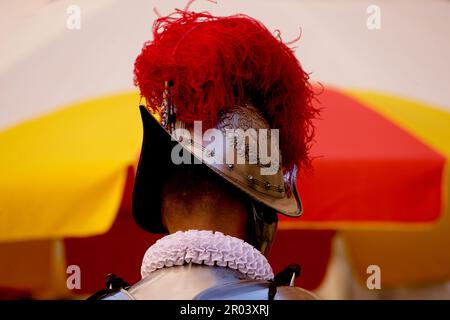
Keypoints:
pixel 228 216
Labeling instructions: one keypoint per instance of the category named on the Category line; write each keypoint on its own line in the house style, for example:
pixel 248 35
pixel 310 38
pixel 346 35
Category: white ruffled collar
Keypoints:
pixel 209 248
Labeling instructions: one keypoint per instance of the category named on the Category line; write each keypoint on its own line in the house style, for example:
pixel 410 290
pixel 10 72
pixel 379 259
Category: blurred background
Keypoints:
pixel 377 220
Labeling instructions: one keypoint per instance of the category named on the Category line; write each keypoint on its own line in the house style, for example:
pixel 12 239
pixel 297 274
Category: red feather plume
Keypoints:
pixel 216 63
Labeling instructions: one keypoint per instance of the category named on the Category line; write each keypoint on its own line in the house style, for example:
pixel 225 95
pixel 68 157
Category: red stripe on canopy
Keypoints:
pixel 368 169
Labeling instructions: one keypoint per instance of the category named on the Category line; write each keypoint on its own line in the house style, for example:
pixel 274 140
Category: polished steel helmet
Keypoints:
pixel 233 73
pixel 242 133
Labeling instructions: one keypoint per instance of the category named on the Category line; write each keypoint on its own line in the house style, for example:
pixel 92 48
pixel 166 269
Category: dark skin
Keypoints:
pixel 194 198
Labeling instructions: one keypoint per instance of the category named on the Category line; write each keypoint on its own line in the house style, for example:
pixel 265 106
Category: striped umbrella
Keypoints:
pixel 380 171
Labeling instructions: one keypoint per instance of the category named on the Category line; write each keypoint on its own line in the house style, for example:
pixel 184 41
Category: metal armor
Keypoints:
pixel 200 282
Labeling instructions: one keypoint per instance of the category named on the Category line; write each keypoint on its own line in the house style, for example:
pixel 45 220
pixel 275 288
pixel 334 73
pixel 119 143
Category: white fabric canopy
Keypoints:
pixel 44 65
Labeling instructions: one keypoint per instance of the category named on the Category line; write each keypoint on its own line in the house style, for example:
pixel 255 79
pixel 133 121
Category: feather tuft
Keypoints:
pixel 216 63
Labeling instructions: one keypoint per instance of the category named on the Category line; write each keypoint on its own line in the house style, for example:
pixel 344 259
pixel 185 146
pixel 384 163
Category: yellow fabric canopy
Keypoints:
pixel 63 174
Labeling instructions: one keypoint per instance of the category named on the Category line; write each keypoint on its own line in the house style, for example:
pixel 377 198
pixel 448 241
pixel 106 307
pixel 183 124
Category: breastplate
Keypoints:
pixel 200 282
